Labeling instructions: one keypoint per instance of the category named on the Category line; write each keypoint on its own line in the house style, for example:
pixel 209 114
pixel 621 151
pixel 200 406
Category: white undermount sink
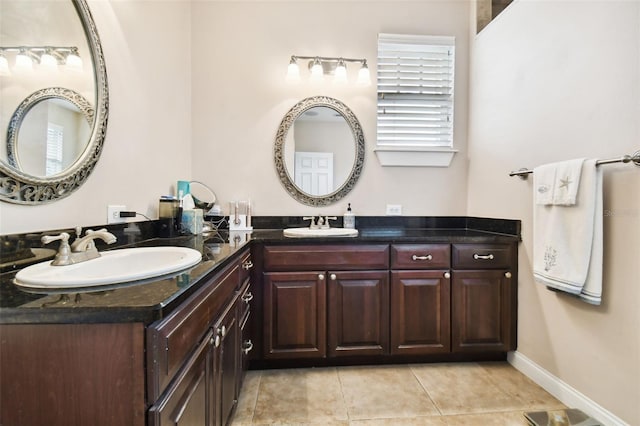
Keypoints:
pixel 329 232
pixel 112 267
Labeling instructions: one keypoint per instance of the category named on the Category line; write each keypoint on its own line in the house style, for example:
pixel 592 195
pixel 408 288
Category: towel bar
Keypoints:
pixel 635 159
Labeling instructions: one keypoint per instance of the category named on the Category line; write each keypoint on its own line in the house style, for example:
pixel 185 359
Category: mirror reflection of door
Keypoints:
pixel 324 151
pixel 314 172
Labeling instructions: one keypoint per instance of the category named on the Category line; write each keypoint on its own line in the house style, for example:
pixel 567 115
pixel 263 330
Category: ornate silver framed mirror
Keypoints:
pixel 65 139
pixel 319 151
pixel 30 98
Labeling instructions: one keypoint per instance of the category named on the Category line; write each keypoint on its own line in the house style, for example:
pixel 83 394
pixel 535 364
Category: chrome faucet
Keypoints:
pixel 324 221
pixel 313 224
pixel 82 249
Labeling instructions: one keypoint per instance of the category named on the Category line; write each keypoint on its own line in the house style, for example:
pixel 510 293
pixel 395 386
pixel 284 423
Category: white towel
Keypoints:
pixel 557 183
pixel 567 240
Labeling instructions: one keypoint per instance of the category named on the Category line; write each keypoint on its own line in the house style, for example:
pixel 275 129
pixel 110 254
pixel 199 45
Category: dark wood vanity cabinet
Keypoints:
pixel 325 300
pixel 401 300
pixel 195 356
pixel 484 297
pixel 420 299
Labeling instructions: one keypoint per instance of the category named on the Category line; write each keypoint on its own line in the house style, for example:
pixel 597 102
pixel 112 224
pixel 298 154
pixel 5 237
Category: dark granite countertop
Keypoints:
pixel 153 299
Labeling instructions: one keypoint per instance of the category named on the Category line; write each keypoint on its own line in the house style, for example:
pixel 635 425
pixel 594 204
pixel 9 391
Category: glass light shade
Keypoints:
pixel 23 63
pixel 317 73
pixel 364 78
pixel 293 73
pixel 48 62
pixel 340 76
pixel 73 62
pixel 4 67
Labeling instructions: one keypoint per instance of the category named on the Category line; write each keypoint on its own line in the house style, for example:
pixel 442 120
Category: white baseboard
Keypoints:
pixel 562 391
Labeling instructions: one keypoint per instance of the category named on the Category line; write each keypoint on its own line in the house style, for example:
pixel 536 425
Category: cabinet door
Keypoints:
pixel 481 311
pixel 358 313
pixel 186 400
pixel 294 315
pixel 420 313
pixel 226 355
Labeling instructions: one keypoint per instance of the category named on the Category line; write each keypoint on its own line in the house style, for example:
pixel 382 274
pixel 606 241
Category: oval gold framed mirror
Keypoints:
pixel 319 151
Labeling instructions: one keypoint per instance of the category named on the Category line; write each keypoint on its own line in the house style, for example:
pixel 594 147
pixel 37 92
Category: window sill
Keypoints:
pixel 414 156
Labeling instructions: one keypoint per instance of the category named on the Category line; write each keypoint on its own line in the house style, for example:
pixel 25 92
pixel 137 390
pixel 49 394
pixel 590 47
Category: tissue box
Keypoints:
pixel 192 221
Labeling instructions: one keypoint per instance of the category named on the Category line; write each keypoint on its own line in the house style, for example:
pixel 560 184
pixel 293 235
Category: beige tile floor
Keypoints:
pixel 415 394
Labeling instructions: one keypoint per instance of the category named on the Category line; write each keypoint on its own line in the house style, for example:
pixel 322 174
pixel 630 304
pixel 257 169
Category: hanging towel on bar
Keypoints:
pixel 567 239
pixel 558 183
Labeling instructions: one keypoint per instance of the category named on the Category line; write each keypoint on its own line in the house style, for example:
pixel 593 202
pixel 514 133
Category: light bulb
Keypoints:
pixel 293 72
pixel 73 62
pixel 4 66
pixel 340 76
pixel 364 78
pixel 48 62
pixel 23 62
pixel 317 73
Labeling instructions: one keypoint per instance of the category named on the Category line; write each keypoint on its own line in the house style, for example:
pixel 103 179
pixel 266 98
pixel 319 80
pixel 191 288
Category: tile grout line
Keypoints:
pixel 425 390
pixel 255 403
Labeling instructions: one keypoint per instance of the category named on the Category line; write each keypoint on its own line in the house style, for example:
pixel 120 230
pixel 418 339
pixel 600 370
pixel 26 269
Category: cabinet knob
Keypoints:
pixel 321 277
pixel 223 330
pixel 333 276
pixel 447 275
pixel 247 265
pixel 216 342
pixel 247 297
pixel 507 274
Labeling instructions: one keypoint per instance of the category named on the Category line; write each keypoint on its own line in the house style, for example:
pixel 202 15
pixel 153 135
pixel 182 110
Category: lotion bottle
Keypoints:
pixel 349 219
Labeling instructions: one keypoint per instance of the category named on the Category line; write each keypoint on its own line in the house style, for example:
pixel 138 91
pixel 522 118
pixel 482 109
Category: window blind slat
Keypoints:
pixel 415 76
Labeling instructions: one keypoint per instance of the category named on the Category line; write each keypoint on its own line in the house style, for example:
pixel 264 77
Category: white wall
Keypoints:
pixel 147 49
pixel 553 81
pixel 241 50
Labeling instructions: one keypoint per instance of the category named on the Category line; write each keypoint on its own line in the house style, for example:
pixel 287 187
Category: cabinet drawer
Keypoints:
pixel 323 257
pixel 420 256
pixel 482 256
pixel 172 339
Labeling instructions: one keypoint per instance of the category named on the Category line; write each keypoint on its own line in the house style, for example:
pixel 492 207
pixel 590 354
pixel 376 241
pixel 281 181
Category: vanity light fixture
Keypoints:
pixel 319 66
pixel 24 63
pixel 4 66
pixel 48 58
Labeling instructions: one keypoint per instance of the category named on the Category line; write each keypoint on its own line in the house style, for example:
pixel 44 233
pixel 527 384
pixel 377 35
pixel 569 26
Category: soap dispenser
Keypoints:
pixel 349 219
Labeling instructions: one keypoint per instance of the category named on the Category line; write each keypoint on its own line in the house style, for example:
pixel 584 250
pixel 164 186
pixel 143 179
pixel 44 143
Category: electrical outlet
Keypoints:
pixel 394 210
pixel 113 214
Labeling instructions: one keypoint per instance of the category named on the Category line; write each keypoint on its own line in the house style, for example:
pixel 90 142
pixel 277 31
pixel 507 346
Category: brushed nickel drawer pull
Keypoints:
pixel 447 275
pixel 427 257
pixel 247 297
pixel 321 277
pixel 333 277
pixel 217 341
pixel 247 346
pixel 507 274
pixel 247 265
pixel 477 256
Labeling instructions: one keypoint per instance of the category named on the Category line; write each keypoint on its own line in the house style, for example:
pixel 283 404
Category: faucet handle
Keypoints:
pixel 64 237
pixel 313 224
pixel 64 251
pixel 325 224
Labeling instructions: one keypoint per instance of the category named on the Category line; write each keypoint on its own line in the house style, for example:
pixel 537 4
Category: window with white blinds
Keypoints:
pixel 55 141
pixel 415 91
